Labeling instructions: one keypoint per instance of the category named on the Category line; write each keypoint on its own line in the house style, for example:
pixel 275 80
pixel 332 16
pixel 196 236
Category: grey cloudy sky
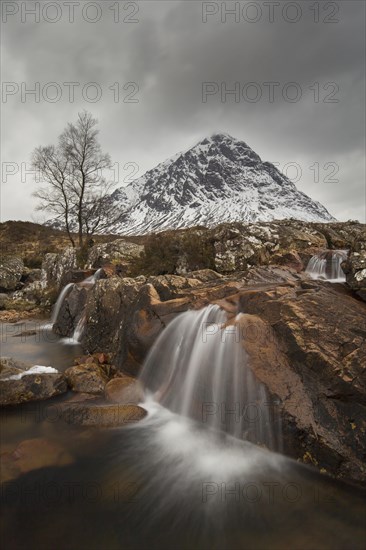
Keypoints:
pixel 298 69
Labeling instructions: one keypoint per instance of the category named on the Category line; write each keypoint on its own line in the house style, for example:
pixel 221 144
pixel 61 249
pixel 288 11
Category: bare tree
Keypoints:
pixel 77 193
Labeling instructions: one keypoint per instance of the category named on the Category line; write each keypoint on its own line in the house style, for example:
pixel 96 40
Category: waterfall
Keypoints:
pixel 87 283
pixel 198 368
pixel 327 265
pixel 93 278
pixel 56 309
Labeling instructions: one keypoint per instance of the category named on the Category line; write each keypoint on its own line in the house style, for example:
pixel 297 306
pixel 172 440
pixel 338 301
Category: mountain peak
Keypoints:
pixel 220 136
pixel 219 179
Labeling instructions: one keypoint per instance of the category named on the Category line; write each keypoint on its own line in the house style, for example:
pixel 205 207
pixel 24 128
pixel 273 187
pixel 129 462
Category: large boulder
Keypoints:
pixel 20 383
pixel 71 311
pixel 120 251
pixel 109 309
pixel 11 271
pixel 56 267
pixel 309 348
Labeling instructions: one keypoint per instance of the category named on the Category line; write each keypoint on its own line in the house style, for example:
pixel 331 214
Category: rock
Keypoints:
pixel 310 350
pixel 56 266
pixel 87 378
pixel 31 455
pixel 205 275
pixel 31 292
pixel 290 260
pixel 264 275
pixel 9 366
pixel 124 390
pixel 76 276
pixel 109 305
pixel 120 251
pixel 126 315
pixel 4 298
pixel 107 416
pixel 100 358
pixel 71 310
pixel 355 270
pixel 239 246
pixel 20 383
pixel 172 286
pixel 31 275
pixel 11 270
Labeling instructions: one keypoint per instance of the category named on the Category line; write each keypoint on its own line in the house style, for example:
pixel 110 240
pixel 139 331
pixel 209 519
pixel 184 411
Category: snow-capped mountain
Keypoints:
pixel 221 179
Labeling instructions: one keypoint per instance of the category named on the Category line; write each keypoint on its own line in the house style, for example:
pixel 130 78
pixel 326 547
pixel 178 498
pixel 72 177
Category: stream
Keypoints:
pixel 166 482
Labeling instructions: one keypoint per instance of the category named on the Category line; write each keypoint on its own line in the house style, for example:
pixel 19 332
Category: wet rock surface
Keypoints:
pixel 124 389
pixel 87 378
pixel 32 454
pixel 71 311
pixel 308 346
pixel 102 415
pixel 20 384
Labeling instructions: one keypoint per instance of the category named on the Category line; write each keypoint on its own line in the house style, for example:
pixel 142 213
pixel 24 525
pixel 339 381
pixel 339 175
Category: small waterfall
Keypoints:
pixel 93 278
pixel 88 283
pixel 327 265
pixel 78 331
pixel 199 369
pixel 56 310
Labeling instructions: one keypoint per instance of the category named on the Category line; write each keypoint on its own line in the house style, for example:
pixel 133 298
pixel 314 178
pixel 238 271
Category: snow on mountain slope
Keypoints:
pixel 220 179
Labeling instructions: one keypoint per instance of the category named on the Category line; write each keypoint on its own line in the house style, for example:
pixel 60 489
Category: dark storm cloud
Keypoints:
pixel 169 54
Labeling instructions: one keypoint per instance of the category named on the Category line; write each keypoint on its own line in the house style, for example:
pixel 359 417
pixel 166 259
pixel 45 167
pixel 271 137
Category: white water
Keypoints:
pixel 92 279
pixel 80 327
pixel 199 369
pixel 78 332
pixel 327 265
pixel 60 300
pixel 88 283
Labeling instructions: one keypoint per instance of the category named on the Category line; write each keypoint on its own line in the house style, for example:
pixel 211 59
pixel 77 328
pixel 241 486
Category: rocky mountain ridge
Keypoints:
pixel 221 179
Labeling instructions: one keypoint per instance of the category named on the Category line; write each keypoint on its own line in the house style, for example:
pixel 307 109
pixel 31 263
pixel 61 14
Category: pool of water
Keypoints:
pixel 33 342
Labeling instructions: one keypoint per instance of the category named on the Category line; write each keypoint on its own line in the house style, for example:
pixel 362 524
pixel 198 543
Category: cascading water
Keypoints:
pixel 198 368
pixel 60 300
pixel 93 278
pixel 327 265
pixel 56 309
pixel 87 283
